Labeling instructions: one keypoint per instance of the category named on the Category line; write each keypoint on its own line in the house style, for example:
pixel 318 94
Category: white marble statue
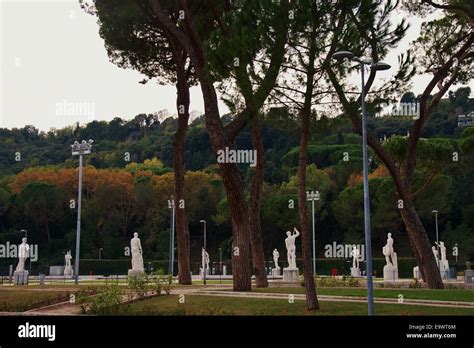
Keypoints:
pixel 23 252
pixel 442 249
pixel 355 253
pixel 435 253
pixel 390 270
pixel 355 270
pixel 68 272
pixel 443 264
pixel 137 254
pixel 291 248
pixel 205 260
pixel 388 251
pixel 276 256
pixel 276 271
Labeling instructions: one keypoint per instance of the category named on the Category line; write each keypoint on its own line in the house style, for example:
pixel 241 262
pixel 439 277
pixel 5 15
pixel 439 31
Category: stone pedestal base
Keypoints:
pixel 276 272
pixel 56 271
pixel 444 269
pixel 20 278
pixel 469 276
pixel 390 273
pixel 416 273
pixel 355 272
pixel 68 272
pixel 207 272
pixel 290 275
pixel 135 274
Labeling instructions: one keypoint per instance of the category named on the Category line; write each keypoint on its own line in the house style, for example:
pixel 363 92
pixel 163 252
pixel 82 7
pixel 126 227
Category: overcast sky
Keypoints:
pixel 55 70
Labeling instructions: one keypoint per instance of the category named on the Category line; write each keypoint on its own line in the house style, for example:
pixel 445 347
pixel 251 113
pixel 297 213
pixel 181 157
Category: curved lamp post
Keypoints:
pixel 375 66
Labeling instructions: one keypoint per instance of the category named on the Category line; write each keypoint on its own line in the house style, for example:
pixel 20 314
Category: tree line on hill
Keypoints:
pixel 274 60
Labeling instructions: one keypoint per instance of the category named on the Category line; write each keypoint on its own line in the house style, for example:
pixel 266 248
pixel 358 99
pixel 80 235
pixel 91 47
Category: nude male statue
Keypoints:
pixel 291 248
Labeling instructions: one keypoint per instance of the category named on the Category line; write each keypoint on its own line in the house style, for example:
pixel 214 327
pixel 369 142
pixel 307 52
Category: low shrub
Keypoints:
pixel 107 301
pixel 139 286
pixel 450 286
pixel 415 284
pixel 161 282
pixel 334 282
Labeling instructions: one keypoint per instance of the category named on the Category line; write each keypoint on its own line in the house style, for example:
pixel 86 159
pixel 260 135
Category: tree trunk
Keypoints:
pixel 310 287
pixel 256 243
pixel 416 232
pixel 421 247
pixel 48 234
pixel 234 191
pixel 179 142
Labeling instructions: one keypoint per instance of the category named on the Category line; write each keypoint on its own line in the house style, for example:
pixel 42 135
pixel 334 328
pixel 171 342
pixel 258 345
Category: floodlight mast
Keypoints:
pixel 79 149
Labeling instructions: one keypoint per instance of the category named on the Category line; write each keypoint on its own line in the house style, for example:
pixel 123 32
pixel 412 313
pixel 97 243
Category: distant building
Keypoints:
pixel 466 120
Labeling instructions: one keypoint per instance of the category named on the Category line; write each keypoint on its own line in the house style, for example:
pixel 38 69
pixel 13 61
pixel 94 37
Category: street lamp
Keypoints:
pixel 204 263
pixel 374 66
pixel 313 196
pixel 220 264
pixel 79 149
pixel 171 206
pixel 437 236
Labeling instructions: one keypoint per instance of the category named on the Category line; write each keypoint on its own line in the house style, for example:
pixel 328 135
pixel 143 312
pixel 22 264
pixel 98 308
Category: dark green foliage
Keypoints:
pixel 337 215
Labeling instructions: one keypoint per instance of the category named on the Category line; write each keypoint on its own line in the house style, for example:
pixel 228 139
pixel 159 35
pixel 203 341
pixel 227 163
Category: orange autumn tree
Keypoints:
pixel 356 178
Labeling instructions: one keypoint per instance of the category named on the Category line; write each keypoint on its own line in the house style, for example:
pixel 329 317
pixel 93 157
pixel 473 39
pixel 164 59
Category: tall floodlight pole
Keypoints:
pixel 204 252
pixel 345 55
pixel 171 206
pixel 79 149
pixel 312 196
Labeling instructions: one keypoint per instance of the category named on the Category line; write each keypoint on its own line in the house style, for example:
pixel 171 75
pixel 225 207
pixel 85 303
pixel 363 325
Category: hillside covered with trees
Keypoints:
pixel 129 178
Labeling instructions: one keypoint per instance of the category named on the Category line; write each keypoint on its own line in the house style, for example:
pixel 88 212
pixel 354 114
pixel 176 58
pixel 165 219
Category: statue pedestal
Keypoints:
pixel 20 278
pixel 355 272
pixel 276 272
pixel 68 272
pixel 390 273
pixel 290 275
pixel 200 272
pixel 416 273
pixel 56 271
pixel 444 270
pixel 135 274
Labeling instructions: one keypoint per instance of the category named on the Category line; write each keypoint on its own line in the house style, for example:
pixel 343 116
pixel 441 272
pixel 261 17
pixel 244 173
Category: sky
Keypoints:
pixel 55 70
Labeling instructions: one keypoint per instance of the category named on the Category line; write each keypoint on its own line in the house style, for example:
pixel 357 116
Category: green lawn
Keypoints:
pixel 212 305
pixel 213 281
pixel 418 294
pixel 17 300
